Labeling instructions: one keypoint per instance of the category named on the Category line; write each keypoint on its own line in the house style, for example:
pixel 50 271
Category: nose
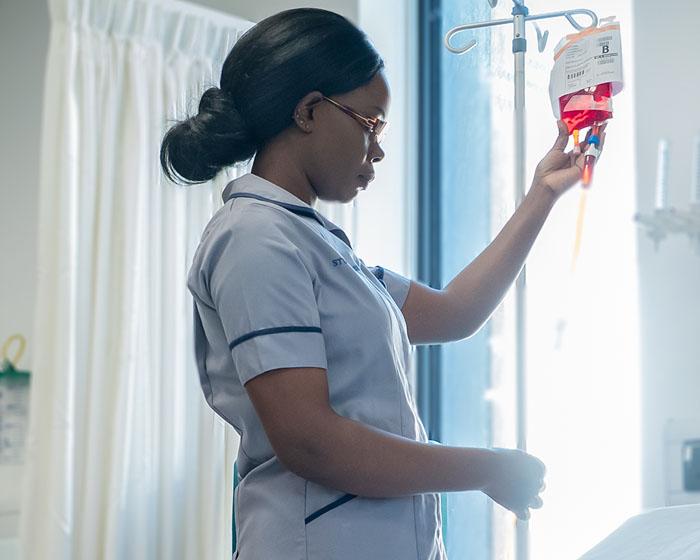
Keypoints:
pixel 376 154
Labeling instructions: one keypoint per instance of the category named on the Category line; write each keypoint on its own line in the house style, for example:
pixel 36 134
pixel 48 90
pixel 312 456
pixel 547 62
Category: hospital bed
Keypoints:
pixel 671 533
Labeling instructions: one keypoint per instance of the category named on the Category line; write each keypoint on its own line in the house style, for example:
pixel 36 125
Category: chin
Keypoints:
pixel 347 199
pixel 355 192
pixel 341 192
pixel 347 193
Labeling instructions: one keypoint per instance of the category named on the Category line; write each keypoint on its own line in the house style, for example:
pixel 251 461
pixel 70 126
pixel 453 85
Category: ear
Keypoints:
pixel 303 116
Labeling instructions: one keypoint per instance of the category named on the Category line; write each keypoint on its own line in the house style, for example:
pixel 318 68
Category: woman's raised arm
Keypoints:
pixel 466 303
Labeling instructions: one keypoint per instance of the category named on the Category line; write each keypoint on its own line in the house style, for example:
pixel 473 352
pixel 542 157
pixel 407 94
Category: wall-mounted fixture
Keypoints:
pixel 665 220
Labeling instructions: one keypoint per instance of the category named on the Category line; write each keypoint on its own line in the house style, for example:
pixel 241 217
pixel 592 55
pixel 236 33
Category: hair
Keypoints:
pixel 268 71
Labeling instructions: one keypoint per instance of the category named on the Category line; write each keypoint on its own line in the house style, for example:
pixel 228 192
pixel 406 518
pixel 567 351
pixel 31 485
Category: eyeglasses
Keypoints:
pixel 376 126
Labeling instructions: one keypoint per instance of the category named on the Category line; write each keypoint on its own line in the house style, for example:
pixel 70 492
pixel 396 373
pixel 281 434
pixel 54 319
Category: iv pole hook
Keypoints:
pixel 568 14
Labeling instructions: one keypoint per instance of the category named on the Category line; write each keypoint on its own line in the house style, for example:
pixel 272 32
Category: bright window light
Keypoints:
pixel 583 393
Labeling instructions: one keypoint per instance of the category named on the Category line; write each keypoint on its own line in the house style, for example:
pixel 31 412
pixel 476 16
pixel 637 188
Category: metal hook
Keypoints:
pixel 471 44
pixel 568 14
pixel 541 38
pixel 572 21
pixel 463 50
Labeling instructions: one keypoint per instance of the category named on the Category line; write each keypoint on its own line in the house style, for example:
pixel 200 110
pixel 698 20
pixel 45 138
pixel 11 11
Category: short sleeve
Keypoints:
pixel 396 285
pixel 263 292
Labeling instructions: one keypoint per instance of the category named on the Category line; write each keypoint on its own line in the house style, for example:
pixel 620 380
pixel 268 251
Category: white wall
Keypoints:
pixel 385 210
pixel 24 35
pixel 668 86
pixel 24 28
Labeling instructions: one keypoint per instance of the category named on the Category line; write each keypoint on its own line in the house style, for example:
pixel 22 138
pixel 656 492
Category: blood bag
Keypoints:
pixel 587 73
pixel 585 107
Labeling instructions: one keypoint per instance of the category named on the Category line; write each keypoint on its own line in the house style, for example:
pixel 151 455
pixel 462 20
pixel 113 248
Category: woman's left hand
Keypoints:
pixel 559 170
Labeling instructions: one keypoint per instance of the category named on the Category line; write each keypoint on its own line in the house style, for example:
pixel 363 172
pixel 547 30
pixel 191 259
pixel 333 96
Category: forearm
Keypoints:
pixel 318 444
pixel 353 458
pixel 473 295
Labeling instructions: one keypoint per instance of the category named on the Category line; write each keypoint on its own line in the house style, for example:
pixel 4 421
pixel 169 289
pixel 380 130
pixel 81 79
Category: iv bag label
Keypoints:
pixel 589 58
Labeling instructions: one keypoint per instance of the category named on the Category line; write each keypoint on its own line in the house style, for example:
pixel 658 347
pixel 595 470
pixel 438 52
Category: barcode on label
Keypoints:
pixel 575 75
pixel 606 61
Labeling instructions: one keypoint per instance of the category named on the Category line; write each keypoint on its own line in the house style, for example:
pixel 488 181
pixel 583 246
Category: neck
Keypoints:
pixel 278 163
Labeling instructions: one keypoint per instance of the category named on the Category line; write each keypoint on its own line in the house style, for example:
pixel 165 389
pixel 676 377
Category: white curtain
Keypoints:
pixel 125 460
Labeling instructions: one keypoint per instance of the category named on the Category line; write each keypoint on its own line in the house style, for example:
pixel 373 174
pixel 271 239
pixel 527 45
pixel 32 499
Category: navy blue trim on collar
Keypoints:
pixel 294 208
pixel 298 210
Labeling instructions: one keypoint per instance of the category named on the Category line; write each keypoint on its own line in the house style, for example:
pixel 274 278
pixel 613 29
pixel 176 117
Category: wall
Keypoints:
pixel 668 81
pixel 24 35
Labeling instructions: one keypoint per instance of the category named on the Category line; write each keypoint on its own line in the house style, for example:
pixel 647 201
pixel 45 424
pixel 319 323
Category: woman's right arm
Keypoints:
pixel 314 442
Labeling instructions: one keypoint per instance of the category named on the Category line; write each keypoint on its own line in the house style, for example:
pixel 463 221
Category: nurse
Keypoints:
pixel 302 347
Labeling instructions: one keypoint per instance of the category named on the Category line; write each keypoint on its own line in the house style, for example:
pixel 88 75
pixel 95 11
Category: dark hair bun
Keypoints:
pixel 269 69
pixel 196 149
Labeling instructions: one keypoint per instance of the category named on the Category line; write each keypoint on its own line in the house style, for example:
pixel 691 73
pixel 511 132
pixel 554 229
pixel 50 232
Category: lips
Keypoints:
pixel 369 178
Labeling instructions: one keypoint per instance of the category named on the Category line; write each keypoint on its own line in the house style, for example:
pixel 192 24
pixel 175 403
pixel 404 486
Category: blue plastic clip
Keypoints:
pixel 519 8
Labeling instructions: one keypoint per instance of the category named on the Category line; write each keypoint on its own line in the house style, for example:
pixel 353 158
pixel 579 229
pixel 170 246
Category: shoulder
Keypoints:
pixel 249 237
pixel 250 225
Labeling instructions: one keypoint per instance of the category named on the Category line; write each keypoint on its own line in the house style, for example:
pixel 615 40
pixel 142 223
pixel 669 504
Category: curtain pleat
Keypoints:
pixel 124 459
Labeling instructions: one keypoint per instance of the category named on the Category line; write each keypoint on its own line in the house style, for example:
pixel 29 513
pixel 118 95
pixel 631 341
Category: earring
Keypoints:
pixel 297 117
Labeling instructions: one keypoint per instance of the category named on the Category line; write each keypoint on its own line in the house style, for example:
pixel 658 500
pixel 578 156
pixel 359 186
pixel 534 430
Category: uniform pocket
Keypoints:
pixel 325 509
pixel 347 527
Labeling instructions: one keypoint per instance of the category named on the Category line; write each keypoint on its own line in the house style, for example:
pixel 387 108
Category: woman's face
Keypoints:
pixel 344 151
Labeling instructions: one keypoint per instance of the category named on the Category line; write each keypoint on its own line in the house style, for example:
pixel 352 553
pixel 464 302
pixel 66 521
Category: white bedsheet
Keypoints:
pixel 671 533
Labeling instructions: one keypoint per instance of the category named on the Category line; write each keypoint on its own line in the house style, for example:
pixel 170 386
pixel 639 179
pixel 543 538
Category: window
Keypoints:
pixel 454 226
pixel 582 372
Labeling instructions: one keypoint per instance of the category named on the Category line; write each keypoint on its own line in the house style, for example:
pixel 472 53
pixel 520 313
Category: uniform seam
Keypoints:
pixel 254 461
pixel 415 529
pixel 225 417
pixel 306 539
pixel 210 401
pixel 415 521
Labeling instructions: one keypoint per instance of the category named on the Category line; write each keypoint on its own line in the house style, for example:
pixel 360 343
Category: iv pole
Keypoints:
pixel 521 15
